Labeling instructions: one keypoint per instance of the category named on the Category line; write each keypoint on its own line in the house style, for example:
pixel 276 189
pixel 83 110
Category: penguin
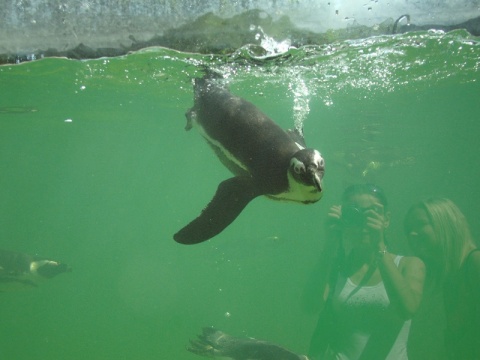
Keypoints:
pixel 20 271
pixel 264 158
pixel 215 343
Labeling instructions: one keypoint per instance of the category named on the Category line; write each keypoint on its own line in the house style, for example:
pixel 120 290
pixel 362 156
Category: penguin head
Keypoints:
pixel 307 167
pixel 47 268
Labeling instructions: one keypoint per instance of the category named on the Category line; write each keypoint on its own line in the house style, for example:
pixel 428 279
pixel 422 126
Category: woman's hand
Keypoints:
pixel 377 222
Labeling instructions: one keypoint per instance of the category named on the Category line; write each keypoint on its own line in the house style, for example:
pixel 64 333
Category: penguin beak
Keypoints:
pixel 49 269
pixel 317 175
pixel 317 182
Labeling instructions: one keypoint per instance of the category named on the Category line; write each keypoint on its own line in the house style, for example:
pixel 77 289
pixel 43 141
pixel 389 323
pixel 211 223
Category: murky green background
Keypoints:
pixel 97 171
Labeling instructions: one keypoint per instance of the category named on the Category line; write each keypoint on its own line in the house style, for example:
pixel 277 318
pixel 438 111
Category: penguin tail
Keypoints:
pixel 209 73
pixel 202 84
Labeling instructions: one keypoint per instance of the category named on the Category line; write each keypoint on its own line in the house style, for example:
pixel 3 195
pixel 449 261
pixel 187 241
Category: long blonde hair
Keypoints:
pixel 451 231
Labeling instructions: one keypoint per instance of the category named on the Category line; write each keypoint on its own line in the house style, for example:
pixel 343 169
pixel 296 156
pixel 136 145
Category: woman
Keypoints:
pixel 367 294
pixel 439 234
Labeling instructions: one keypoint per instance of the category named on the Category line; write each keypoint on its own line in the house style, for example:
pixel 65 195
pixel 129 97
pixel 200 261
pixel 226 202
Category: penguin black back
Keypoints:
pixel 242 130
pixel 265 159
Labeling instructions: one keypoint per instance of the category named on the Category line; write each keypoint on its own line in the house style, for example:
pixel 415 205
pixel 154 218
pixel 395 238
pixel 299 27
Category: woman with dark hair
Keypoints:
pixel 439 234
pixel 366 294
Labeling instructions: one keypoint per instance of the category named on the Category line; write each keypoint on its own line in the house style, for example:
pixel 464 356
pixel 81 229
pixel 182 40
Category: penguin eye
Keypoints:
pixel 298 167
pixel 321 163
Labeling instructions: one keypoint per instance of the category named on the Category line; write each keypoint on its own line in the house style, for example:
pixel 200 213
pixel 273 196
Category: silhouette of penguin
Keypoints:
pixel 265 159
pixel 22 271
pixel 214 343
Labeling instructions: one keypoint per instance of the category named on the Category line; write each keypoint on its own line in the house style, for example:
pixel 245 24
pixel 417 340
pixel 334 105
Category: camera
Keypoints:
pixel 355 216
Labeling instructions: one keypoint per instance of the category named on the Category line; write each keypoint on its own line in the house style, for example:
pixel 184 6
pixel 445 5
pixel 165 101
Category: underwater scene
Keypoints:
pixel 98 172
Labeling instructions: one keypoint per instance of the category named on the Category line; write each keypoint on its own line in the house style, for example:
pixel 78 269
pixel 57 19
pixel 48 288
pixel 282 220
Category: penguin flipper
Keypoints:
pixel 230 199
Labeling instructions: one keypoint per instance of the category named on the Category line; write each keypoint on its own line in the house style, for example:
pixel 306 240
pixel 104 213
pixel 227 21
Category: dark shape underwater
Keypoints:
pixel 22 271
pixel 265 159
pixel 215 343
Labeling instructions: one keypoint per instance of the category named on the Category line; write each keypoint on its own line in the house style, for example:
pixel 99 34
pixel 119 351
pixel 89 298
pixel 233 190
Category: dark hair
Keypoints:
pixel 371 189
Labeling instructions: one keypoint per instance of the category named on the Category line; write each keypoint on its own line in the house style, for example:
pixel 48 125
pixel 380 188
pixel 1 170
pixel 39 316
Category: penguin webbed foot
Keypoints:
pixel 201 348
pixel 212 343
pixel 228 202
pixel 204 344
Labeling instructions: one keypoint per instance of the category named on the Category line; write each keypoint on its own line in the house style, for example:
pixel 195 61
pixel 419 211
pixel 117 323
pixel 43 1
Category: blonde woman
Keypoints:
pixel 439 234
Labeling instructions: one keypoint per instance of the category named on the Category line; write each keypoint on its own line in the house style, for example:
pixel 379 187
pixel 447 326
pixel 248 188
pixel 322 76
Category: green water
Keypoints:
pixel 97 171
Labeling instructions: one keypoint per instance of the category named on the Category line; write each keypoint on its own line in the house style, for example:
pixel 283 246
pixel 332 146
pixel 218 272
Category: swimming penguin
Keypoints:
pixel 215 343
pixel 265 159
pixel 22 271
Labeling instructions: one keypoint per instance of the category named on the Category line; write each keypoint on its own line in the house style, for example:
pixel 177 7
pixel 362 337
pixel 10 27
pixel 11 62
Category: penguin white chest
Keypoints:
pixel 298 192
